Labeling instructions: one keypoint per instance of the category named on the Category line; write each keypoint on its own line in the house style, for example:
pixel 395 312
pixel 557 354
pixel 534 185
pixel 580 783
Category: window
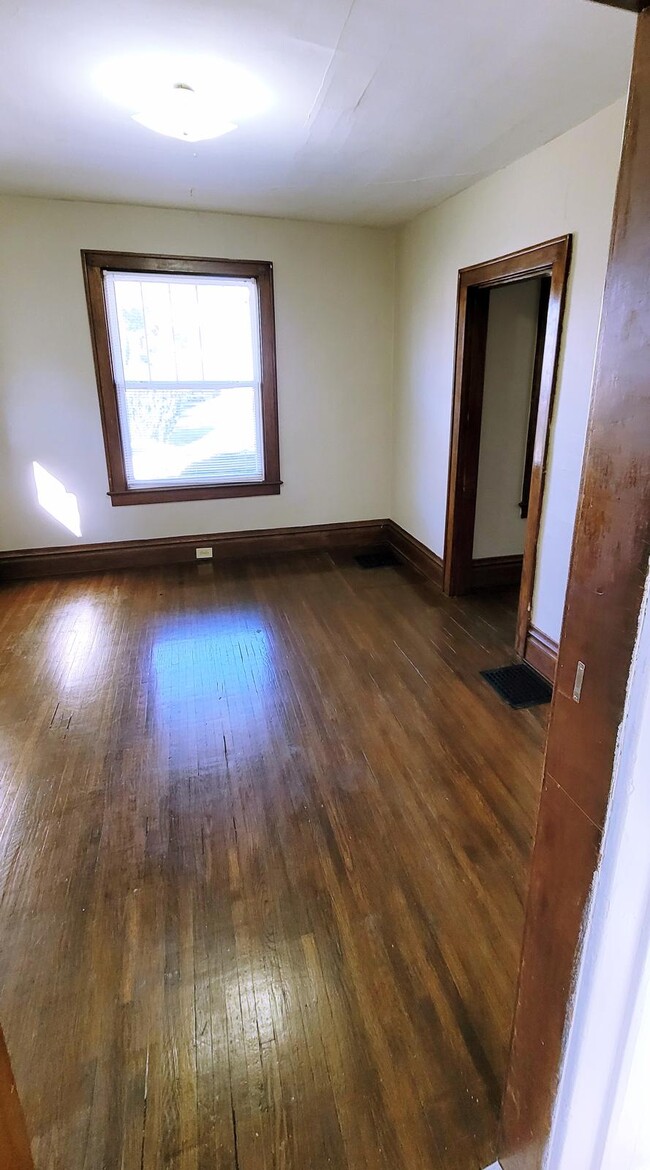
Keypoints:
pixel 185 360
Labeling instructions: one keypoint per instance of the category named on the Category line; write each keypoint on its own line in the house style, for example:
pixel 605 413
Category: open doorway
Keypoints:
pixel 509 327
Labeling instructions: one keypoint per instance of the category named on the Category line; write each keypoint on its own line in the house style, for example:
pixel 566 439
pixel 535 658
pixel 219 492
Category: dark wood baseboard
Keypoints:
pixel 15 1153
pixel 541 653
pixel 413 552
pixel 137 554
pixel 496 572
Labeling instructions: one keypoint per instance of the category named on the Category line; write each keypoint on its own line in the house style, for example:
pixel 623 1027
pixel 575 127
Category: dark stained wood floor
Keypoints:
pixel 264 839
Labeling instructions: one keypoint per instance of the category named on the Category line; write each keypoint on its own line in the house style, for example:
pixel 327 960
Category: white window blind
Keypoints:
pixel 187 367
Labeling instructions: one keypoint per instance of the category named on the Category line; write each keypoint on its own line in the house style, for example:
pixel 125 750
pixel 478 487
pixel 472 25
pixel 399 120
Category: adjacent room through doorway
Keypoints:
pixel 509 326
pixel 516 326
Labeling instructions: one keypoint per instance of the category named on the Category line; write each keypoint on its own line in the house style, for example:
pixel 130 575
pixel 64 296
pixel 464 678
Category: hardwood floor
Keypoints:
pixel 264 840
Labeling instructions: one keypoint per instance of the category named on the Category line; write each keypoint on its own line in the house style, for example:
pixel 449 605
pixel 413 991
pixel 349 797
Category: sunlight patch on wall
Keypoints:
pixel 56 501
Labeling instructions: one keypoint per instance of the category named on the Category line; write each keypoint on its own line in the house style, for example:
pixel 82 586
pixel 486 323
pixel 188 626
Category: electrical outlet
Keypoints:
pixel 204 554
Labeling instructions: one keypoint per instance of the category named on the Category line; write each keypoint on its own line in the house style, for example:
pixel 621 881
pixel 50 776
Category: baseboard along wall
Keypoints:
pixel 541 651
pixel 496 572
pixel 413 552
pixel 61 560
pixel 138 554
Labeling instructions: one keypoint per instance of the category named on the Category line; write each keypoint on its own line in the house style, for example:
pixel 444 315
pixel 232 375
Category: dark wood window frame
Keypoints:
pixel 94 265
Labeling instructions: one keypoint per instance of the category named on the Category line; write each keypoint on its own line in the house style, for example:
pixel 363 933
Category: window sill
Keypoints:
pixel 177 495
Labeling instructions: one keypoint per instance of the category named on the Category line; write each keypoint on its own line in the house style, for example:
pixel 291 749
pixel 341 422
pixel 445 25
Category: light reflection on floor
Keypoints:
pixel 76 636
pixel 220 670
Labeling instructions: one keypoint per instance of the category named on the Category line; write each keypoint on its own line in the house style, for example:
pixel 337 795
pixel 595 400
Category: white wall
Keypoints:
pixel 499 529
pixel 334 289
pixel 566 186
pixel 601 1117
pixel 335 301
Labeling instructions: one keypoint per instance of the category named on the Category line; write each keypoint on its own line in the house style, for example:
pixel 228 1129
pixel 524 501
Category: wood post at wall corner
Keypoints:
pixel 629 5
pixel 15 1153
pixel 604 594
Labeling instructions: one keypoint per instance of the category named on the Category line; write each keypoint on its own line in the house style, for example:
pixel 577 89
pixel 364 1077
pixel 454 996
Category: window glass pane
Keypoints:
pixel 179 346
pixel 178 330
pixel 133 340
pixel 187 332
pixel 159 331
pixel 228 331
pixel 192 436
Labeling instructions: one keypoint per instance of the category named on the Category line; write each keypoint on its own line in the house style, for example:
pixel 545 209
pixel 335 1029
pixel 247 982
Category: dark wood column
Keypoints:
pixel 629 5
pixel 15 1153
pixel 608 571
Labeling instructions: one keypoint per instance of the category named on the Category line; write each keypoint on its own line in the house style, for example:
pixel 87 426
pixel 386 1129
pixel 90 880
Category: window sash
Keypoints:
pixel 222 466
pixel 188 384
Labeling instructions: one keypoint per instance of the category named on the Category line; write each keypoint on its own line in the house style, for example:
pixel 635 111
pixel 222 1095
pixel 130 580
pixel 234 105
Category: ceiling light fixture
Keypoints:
pixel 182 113
pixel 192 98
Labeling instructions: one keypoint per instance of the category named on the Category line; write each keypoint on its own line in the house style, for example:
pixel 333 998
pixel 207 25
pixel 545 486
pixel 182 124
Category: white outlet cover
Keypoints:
pixel 204 554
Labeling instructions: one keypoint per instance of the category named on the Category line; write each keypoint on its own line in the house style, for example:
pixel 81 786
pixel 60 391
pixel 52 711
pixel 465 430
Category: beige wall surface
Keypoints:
pixel 566 186
pixel 509 361
pixel 365 366
pixel 334 291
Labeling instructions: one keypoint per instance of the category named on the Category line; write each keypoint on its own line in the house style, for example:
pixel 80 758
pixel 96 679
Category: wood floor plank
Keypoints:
pixel 264 844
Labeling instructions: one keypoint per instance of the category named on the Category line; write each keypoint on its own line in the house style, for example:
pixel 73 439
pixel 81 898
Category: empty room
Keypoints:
pixel 324 667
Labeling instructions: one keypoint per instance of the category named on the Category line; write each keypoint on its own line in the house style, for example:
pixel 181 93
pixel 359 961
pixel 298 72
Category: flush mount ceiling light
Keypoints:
pixel 190 98
pixel 182 113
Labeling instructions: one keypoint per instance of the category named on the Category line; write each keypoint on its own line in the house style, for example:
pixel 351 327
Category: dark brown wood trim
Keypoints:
pixel 185 265
pixel 541 653
pixel 104 374
pixel 133 554
pixel 496 572
pixel 471 341
pixel 538 365
pixel 549 259
pixel 565 857
pixel 229 491
pixel 609 568
pixel 413 552
pixel 94 264
pixel 559 272
pixel 15 1153
pixel 270 420
pixel 629 5
pixel 537 260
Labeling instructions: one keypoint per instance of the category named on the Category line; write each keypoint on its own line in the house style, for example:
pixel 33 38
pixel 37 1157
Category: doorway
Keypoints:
pixel 484 443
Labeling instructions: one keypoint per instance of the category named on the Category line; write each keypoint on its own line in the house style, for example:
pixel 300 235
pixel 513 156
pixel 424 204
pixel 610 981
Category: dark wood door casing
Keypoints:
pixel 629 5
pixel 542 315
pixel 551 260
pixel 608 571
